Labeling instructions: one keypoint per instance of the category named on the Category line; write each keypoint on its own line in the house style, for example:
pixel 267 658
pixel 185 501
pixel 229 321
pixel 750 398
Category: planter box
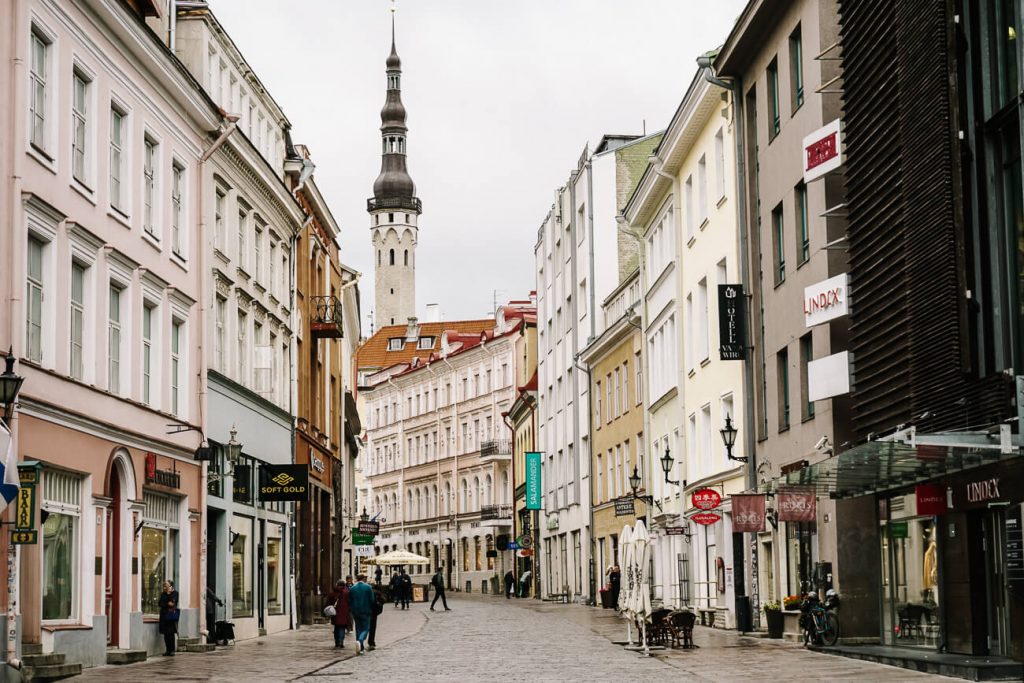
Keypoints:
pixel 775 623
pixel 791 629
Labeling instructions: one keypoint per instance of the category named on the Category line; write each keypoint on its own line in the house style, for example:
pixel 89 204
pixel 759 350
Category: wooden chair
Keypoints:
pixel 680 625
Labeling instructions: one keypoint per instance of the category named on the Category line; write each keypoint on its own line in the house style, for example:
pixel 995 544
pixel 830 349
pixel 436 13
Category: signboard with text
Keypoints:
pixel 360 538
pixel 284 483
pixel 624 507
pixel 706 499
pixel 823 151
pixel 369 527
pixel 533 481
pixel 826 300
pixel 731 323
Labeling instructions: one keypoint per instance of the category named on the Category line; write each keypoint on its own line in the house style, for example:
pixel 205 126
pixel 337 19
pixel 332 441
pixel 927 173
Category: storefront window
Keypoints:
pixel 58 566
pixel 275 570
pixel 465 555
pixel 159 548
pixel 800 556
pixel 910 610
pixel 477 553
pixel 241 567
pixel 62 500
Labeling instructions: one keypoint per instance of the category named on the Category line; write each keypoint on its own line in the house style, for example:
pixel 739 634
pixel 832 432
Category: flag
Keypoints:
pixel 8 469
pixel 796 504
pixel 747 513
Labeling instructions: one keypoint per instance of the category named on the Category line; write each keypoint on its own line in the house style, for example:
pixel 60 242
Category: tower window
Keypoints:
pixel 406 257
pixel 378 257
pixel 376 219
pixel 392 290
pixel 406 218
pixel 392 257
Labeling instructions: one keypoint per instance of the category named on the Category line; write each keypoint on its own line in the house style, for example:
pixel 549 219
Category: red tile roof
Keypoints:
pixel 374 351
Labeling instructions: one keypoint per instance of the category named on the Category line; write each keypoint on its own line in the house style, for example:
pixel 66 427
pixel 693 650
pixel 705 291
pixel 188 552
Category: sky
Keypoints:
pixel 502 97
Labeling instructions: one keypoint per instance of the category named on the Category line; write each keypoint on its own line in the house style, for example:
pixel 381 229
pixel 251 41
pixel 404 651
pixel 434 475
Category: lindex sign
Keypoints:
pixel 706 499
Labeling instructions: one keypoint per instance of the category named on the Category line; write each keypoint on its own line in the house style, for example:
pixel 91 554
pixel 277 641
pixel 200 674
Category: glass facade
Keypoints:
pixel 241 567
pixel 910 574
pixel 59 562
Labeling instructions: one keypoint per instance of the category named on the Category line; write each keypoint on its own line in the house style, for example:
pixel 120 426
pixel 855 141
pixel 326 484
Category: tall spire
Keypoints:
pixel 394 187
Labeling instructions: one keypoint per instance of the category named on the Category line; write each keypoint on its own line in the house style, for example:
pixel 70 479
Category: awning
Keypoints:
pixel 884 465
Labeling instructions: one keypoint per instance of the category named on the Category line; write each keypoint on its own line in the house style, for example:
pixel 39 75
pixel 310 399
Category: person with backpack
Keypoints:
pixel 363 604
pixel 438 583
pixel 404 588
pixel 378 609
pixel 395 589
pixel 336 609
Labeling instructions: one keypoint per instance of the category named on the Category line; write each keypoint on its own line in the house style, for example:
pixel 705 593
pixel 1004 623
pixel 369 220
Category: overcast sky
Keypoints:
pixel 502 96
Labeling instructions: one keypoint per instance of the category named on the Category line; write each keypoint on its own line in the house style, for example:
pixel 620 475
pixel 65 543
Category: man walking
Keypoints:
pixel 438 583
pixel 378 608
pixel 396 589
pixel 362 603
pixel 524 584
pixel 510 582
pixel 404 587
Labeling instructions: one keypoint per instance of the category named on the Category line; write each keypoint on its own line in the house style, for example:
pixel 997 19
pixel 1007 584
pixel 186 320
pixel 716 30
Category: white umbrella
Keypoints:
pixel 641 609
pixel 626 582
pixel 397 557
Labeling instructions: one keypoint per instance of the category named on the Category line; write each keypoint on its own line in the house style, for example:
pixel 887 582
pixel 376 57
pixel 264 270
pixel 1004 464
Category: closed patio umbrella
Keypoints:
pixel 626 586
pixel 641 597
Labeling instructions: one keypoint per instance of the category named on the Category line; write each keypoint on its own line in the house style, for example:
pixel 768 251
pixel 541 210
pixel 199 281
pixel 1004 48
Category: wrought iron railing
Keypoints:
pixel 326 321
pixel 498 511
pixel 496 447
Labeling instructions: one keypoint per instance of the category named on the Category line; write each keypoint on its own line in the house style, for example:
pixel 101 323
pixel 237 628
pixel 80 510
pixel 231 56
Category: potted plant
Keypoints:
pixel 791 602
pixel 773 615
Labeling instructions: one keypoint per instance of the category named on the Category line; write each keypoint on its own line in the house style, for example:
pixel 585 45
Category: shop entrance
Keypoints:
pixel 909 558
pixel 994 544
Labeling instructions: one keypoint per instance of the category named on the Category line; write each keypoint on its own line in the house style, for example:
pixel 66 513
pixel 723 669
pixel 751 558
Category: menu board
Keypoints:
pixel 1014 545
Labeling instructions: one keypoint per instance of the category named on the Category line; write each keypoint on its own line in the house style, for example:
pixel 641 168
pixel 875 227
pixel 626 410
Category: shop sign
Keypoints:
pixel 747 513
pixel 24 537
pixel 898 530
pixel 828 376
pixel 169 478
pixel 731 327
pixel 675 531
pixel 316 462
pixel 823 151
pixel 369 527
pixel 931 499
pixel 797 505
pixel 525 541
pixel 525 552
pixel 363 550
pixel 706 518
pixel 826 300
pixel 25 513
pixel 242 491
pixel 624 507
pixel 706 499
pixel 284 483
pixel 1014 545
pixel 359 538
pixel 978 488
pixel 533 481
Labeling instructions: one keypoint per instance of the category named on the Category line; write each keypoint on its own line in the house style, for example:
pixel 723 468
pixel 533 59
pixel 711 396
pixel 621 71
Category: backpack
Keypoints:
pixel 437 581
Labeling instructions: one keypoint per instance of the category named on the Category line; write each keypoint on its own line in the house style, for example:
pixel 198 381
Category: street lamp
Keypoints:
pixel 232 449
pixel 729 439
pixel 364 517
pixel 634 483
pixel 666 465
pixel 10 385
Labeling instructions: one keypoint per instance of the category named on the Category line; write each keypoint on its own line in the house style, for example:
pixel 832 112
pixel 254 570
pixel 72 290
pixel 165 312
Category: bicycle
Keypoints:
pixel 819 622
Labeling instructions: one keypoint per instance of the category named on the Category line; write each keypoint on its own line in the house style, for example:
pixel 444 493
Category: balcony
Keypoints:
pixel 396 203
pixel 499 515
pixel 496 449
pixel 326 317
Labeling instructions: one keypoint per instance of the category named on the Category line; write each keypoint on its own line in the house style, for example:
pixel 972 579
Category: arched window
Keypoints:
pixel 464 496
pixel 378 257
pixel 419 504
pixel 490 546
pixel 447 498
pixel 503 495
pixel 433 501
pixel 476 493
pixel 392 257
pixel 406 257
pixel 487 491
pixel 407 513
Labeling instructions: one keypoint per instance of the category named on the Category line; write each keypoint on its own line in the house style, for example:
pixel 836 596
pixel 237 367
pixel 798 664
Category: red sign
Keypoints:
pixel 706 518
pixel 797 505
pixel 150 466
pixel 931 499
pixel 747 513
pixel 706 499
pixel 820 151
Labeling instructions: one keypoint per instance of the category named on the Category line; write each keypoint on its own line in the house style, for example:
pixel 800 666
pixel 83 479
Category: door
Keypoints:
pixel 998 618
pixel 211 570
pixel 261 563
pixel 111 590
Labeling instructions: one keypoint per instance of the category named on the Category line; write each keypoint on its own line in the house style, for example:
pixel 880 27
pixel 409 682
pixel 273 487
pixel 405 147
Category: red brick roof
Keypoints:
pixel 374 351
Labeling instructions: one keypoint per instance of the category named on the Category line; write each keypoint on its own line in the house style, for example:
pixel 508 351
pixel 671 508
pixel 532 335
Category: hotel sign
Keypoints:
pixel 284 483
pixel 826 300
pixel 823 151
pixel 731 327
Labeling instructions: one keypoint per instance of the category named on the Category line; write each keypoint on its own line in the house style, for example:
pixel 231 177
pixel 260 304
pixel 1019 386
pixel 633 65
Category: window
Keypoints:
pixel 118 193
pixel 275 563
pixel 425 343
pixel 690 333
pixel 703 350
pixel 218 340
pixel 62 502
pixel 159 548
pixel 705 436
pixel 782 363
pixel 806 356
pixel 114 341
pixel 176 326
pixel 774 124
pixel 271 265
pixel 625 387
pixel 720 164
pixel 243 228
pixel 177 219
pixel 639 379
pixel 609 406
pixel 396 343
pixel 243 347
pixel 149 180
pixel 257 250
pixel 241 567
pixel 779 237
pixel 617 405
pixel 688 194
pixel 796 68
pixel 38 98
pixel 34 301
pixel 803 246
pixel 147 352
pixel 219 233
pixel 79 125
pixel 77 320
pixel 391 257
pixel 702 188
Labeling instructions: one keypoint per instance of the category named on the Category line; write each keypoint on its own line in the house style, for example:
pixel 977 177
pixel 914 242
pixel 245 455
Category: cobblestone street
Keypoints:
pixel 488 638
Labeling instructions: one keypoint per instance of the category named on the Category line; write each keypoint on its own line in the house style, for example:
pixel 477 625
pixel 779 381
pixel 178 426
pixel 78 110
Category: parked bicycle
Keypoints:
pixel 819 622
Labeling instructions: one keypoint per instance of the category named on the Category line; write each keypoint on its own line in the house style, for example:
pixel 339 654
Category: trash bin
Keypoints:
pixel 606 599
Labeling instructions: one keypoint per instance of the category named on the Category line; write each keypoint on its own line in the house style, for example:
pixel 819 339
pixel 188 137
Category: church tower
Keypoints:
pixel 394 210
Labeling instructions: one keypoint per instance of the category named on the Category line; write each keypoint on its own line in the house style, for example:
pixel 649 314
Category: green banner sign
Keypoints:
pixel 361 539
pixel 898 530
pixel 533 481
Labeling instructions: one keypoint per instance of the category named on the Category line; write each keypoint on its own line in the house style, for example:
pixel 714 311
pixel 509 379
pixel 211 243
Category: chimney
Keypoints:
pixel 433 313
pixel 412 332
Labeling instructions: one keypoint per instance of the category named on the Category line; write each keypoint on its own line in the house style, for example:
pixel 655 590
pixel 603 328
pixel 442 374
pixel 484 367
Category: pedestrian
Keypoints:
pixel 615 580
pixel 211 614
pixel 377 574
pixel 395 588
pixel 169 614
pixel 404 587
pixel 378 608
pixel 524 584
pixel 510 583
pixel 438 583
pixel 337 610
pixel 362 603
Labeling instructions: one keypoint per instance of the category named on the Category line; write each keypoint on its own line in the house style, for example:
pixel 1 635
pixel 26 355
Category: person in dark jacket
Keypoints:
pixel 211 614
pixel 404 588
pixel 169 616
pixel 395 589
pixel 378 608
pixel 615 581
pixel 438 583
pixel 510 583
pixel 362 604
pixel 377 574
pixel 338 598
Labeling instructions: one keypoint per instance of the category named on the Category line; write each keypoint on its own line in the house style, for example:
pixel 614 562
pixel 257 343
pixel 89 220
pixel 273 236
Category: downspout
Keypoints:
pixel 577 475
pixel 592 291
pixel 590 461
